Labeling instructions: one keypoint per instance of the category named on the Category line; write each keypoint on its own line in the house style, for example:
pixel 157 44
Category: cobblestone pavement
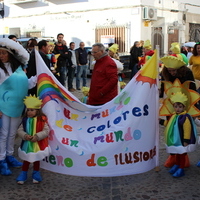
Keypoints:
pixel 152 185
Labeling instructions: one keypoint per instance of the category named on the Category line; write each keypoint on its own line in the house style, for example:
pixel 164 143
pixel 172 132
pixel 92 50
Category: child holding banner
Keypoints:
pixel 34 132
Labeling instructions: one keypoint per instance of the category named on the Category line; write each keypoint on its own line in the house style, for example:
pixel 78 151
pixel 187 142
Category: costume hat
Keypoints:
pixel 114 48
pixel 32 102
pixel 85 90
pixel 51 43
pixel 147 45
pixel 172 62
pixel 16 49
pixel 175 47
pixel 179 97
pixel 177 92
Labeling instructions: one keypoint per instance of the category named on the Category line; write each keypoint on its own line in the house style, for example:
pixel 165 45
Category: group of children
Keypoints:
pixel 180 132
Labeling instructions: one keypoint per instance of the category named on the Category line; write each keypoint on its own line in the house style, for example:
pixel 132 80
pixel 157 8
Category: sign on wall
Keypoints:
pixel 106 39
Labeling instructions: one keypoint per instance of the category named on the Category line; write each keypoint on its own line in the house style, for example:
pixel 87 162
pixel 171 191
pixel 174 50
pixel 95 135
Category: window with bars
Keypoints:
pixel 118 31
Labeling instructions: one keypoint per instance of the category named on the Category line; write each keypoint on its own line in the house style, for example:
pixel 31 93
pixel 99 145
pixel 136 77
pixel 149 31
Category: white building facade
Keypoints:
pixel 161 21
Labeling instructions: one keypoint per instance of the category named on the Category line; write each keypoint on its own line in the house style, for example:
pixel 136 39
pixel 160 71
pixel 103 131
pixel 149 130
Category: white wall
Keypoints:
pixel 77 19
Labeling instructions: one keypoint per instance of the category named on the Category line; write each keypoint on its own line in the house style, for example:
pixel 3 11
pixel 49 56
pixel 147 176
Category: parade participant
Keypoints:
pixel 180 131
pixel 148 52
pixel 112 52
pixel 52 58
pixel 171 71
pixel 14 86
pixel 34 132
pixel 195 62
pixel 103 86
pixel 175 68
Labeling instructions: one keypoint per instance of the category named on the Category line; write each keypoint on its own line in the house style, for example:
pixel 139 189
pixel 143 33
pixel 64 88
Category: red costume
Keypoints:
pixel 146 57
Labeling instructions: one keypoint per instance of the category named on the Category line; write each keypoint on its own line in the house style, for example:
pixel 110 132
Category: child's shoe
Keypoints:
pixel 173 169
pixel 13 162
pixel 170 161
pixel 36 177
pixel 179 173
pixel 198 164
pixel 4 169
pixel 22 177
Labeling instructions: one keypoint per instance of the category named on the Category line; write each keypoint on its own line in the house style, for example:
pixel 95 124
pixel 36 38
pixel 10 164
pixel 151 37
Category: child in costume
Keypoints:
pixel 34 132
pixel 175 68
pixel 112 52
pixel 180 131
pixel 85 91
pixel 148 53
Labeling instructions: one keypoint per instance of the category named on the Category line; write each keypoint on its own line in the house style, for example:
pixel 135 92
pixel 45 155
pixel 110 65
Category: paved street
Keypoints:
pixel 151 185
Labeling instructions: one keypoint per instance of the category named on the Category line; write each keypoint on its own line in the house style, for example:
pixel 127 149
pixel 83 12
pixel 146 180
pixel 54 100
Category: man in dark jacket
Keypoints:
pixel 43 47
pixel 64 59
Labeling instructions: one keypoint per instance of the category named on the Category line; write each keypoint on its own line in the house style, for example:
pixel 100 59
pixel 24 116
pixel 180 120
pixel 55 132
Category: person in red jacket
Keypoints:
pixel 103 86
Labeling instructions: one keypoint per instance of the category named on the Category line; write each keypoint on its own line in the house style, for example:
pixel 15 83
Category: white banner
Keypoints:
pixel 117 138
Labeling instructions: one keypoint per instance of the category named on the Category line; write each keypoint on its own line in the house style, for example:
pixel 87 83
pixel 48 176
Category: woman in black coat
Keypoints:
pixel 135 52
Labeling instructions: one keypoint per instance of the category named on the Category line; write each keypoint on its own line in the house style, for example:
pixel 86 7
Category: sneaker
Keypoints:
pixel 36 177
pixel 78 88
pixel 4 169
pixel 22 178
pixel 13 162
pixel 72 90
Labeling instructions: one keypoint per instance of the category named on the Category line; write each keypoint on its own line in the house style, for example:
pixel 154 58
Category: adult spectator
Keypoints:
pixel 189 54
pixel 141 45
pixel 63 59
pixel 13 37
pixel 31 44
pixel 135 53
pixel 184 50
pixel 72 67
pixel 14 86
pixel 103 87
pixel 82 61
pixel 43 48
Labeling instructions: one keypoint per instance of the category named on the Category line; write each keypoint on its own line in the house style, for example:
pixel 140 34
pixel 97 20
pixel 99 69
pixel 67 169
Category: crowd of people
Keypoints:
pixel 18 73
